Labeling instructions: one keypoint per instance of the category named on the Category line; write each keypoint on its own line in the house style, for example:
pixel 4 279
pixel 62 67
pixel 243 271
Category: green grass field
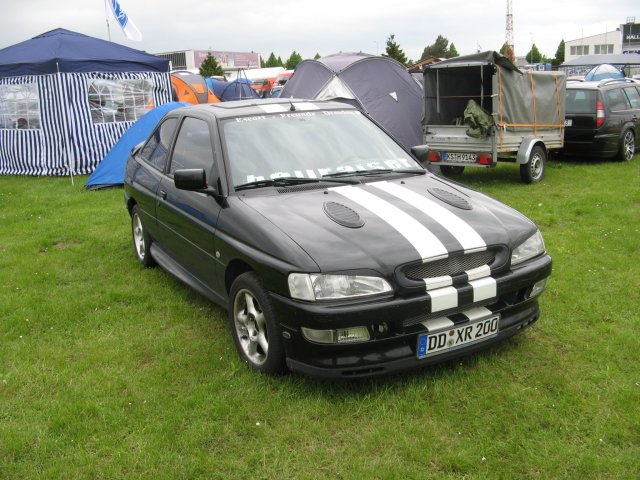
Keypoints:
pixel 108 370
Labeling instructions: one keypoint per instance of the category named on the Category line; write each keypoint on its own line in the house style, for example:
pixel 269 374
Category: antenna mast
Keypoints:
pixel 510 52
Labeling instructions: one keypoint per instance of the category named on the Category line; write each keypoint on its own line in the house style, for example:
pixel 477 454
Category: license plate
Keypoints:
pixel 435 343
pixel 568 122
pixel 459 157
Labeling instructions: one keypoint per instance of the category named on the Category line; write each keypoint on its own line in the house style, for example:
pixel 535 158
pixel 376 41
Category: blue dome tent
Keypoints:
pixel 110 171
pixel 602 72
pixel 236 90
pixel 66 98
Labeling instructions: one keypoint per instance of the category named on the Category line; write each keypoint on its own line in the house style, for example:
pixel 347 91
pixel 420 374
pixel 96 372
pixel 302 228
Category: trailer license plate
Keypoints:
pixel 460 157
pixel 457 337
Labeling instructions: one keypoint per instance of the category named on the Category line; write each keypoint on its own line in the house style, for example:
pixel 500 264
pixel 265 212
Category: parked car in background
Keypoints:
pixel 334 251
pixel 602 119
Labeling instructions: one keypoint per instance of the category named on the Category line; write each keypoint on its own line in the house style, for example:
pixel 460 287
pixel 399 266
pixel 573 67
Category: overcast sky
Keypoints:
pixel 321 26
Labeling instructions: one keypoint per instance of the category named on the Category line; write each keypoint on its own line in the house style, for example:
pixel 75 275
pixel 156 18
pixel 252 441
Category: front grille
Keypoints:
pixel 449 266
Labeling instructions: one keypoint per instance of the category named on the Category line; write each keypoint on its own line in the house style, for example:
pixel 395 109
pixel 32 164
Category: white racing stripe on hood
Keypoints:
pixel 425 242
pixel 461 230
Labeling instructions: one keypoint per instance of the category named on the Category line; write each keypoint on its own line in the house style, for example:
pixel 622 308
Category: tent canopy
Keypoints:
pixel 110 171
pixel 65 51
pixel 379 86
pixel 191 88
pixel 603 71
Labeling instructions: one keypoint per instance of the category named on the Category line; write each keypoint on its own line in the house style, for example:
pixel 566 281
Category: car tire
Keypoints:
pixel 254 329
pixel 451 170
pixel 533 170
pixel 141 239
pixel 627 146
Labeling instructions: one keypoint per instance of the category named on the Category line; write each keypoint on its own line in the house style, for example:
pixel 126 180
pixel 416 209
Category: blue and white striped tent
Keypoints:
pixel 66 99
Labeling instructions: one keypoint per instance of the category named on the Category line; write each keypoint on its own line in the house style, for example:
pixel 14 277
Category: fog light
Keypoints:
pixel 341 335
pixel 538 288
pixel 352 335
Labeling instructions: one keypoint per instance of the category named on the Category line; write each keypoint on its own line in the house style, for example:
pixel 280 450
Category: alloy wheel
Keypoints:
pixel 251 328
pixel 628 145
pixel 138 236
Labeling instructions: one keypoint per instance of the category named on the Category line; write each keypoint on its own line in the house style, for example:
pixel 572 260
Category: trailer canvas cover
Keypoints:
pixel 518 101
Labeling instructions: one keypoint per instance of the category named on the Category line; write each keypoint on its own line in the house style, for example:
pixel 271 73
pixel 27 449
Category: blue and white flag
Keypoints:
pixel 127 25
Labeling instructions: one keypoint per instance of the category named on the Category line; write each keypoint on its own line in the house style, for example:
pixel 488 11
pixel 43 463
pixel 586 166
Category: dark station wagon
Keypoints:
pixel 334 251
pixel 602 118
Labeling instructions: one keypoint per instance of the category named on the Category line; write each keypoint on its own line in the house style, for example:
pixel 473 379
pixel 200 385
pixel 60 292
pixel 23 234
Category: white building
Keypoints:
pixel 625 39
pixel 600 44
pixel 229 61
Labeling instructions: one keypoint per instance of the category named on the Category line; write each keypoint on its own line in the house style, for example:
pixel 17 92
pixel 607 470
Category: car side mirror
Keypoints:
pixel 421 152
pixel 193 179
pixel 136 150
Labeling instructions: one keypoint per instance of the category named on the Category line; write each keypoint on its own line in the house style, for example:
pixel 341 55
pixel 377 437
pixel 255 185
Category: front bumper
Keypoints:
pixel 394 347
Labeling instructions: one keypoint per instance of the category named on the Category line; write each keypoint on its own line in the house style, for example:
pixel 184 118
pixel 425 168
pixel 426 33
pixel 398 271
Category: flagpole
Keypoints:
pixel 106 18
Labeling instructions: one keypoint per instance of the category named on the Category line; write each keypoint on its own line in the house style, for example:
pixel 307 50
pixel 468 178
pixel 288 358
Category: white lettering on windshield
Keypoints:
pixel 250 119
pixel 297 115
pixel 392 164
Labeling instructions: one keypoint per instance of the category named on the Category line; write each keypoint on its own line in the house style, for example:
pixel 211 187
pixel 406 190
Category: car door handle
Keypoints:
pixel 163 194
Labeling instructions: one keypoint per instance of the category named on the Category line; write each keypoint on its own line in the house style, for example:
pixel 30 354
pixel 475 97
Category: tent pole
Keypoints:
pixel 63 97
pixel 106 18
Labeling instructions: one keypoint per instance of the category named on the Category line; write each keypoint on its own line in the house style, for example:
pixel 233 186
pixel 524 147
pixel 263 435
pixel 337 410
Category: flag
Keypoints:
pixel 127 25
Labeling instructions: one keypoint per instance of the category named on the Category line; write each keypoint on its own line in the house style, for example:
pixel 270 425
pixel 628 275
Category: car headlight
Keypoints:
pixel 316 286
pixel 531 247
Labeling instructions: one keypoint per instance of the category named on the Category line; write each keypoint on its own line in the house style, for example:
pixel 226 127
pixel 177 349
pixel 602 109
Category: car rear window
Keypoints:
pixel 581 101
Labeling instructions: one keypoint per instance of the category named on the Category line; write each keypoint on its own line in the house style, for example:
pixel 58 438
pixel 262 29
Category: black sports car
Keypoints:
pixel 335 252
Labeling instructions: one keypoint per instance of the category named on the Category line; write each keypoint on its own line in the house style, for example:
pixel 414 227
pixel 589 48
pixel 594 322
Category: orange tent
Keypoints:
pixel 191 88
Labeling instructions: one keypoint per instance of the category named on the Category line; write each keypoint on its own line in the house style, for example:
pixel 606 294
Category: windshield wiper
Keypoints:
pixel 284 181
pixel 376 171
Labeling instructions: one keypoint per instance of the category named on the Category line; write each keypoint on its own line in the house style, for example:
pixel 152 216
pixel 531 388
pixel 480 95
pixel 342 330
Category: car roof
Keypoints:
pixel 596 84
pixel 252 107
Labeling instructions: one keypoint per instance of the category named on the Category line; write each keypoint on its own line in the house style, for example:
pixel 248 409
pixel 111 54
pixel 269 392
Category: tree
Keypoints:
pixel 508 52
pixel 394 51
pixel 452 52
pixel 273 61
pixel 293 60
pixel 438 49
pixel 210 67
pixel 317 56
pixel 534 55
pixel 559 58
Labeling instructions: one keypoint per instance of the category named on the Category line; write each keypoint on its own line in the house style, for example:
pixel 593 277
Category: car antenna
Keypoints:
pixel 293 107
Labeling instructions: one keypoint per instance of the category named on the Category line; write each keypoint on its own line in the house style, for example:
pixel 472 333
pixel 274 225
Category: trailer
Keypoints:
pixel 480 109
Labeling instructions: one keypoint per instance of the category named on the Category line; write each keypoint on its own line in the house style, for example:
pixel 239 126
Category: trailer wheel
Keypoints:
pixel 451 170
pixel 533 170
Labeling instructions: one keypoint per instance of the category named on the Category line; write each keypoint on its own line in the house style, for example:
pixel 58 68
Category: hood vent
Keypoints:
pixel 305 187
pixel 342 215
pixel 450 198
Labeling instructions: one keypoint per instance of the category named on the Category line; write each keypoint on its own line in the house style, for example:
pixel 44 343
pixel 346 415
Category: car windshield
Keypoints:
pixel 309 144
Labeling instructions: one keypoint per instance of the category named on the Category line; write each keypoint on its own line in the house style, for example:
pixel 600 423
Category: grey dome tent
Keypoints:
pixel 379 86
